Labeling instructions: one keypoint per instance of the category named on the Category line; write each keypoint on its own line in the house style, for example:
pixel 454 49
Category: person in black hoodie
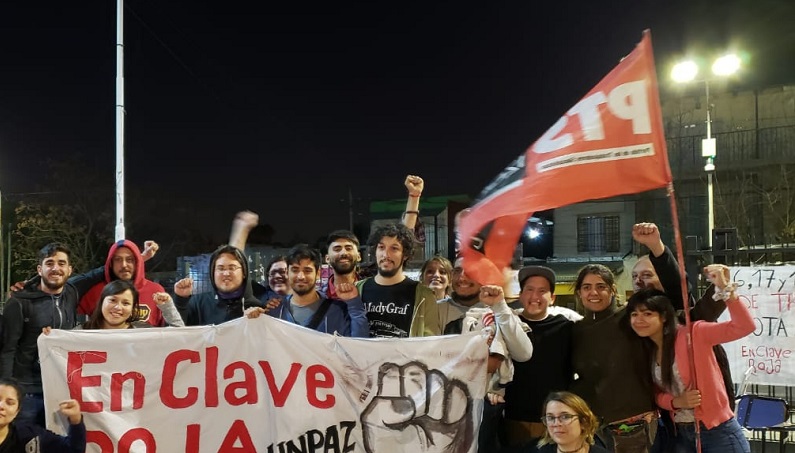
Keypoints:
pixel 231 293
pixel 46 300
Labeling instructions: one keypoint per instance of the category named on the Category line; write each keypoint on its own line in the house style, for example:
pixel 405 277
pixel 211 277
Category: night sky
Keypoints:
pixel 281 107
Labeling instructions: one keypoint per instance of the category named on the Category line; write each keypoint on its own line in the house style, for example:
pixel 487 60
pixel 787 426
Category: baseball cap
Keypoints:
pixel 540 271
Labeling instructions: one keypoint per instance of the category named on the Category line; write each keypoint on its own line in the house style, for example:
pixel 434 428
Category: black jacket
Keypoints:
pixel 24 315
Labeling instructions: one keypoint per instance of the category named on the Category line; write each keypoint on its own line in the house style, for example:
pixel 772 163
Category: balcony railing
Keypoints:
pixel 734 149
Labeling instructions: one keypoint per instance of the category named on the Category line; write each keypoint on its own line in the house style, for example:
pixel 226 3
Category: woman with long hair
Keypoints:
pixel 653 318
pixel 570 425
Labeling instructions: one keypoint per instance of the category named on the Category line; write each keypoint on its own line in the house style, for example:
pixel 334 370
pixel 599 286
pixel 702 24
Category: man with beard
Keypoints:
pixel 308 307
pixel 465 295
pixel 125 261
pixel 396 305
pixel 342 248
pixel 46 300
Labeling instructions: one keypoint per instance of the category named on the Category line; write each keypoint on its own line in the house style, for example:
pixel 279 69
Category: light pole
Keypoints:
pixel 687 71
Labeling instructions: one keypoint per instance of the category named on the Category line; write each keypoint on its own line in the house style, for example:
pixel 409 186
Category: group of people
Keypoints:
pixel 558 380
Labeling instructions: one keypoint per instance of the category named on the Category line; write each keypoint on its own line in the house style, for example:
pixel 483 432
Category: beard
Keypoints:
pixel 303 291
pixel 343 269
pixel 389 273
pixel 467 299
pixel 53 286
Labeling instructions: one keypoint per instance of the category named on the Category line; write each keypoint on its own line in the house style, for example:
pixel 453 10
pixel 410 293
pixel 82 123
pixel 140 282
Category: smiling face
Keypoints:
pixel 647 323
pixel 536 297
pixel 302 276
pixel 9 405
pixel 343 255
pixel 644 276
pixel 117 310
pixel 436 276
pixel 596 295
pixel 228 273
pixel 54 271
pixel 277 277
pixel 462 285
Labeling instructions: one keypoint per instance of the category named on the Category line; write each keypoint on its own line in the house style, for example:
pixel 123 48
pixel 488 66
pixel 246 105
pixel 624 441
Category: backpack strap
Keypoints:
pixel 319 314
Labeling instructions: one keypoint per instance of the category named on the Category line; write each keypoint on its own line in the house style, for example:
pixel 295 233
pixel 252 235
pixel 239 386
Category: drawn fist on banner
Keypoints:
pixel 418 410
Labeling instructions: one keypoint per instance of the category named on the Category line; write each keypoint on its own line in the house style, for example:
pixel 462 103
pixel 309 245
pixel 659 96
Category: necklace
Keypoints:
pixel 571 451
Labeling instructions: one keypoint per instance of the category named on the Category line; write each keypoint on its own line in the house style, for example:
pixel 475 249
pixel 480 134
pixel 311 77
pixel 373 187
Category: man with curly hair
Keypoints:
pixel 396 305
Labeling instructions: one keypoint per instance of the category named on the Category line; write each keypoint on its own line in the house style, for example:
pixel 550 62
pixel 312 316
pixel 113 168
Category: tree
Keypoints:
pixel 38 224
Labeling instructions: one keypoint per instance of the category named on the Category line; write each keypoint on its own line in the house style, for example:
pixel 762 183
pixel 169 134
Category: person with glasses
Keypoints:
pixel 232 293
pixel 570 425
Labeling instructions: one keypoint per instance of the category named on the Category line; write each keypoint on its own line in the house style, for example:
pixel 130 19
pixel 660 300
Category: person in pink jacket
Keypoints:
pixel 652 316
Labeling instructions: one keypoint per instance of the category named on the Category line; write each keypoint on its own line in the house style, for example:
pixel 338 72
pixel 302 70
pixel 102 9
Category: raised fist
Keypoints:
pixel 184 287
pixel 162 298
pixel 246 219
pixel 415 185
pixel 418 410
pixel 491 294
pixel 150 249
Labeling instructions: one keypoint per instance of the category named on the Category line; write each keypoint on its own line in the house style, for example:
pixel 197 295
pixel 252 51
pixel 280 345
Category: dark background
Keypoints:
pixel 283 107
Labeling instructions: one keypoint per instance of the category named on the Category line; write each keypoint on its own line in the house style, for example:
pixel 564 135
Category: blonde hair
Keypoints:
pixel 445 264
pixel 588 421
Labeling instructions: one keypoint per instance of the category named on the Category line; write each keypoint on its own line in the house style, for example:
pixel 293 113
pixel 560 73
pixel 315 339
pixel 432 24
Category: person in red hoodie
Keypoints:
pixel 126 263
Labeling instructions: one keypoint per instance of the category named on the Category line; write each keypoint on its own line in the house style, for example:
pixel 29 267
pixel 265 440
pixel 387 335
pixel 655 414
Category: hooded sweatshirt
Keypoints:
pixel 25 314
pixel 146 288
pixel 216 307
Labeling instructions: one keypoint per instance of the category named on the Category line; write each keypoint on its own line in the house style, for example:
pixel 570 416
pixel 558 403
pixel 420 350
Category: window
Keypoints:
pixel 598 234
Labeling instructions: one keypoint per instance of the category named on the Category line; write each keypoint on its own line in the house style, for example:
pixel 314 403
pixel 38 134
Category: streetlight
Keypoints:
pixel 687 71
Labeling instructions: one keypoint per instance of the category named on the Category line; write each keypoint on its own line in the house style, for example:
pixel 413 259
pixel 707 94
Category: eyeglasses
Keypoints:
pixel 222 269
pixel 564 419
pixel 276 272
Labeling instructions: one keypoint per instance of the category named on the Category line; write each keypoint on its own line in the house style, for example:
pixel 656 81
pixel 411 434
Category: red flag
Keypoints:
pixel 610 143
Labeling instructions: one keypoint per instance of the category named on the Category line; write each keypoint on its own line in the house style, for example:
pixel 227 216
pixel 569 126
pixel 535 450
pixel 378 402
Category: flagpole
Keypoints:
pixel 683 283
pixel 119 120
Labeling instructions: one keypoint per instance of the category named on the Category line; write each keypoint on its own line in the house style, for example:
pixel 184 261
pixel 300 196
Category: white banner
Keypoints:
pixel 769 292
pixel 266 386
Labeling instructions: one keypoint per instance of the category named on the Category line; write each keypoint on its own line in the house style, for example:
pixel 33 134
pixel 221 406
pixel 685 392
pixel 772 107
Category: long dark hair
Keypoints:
pixel 656 301
pixel 111 289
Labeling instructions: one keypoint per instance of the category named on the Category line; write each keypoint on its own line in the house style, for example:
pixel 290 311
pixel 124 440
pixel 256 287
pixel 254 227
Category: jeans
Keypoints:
pixel 664 440
pixel 32 410
pixel 725 438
